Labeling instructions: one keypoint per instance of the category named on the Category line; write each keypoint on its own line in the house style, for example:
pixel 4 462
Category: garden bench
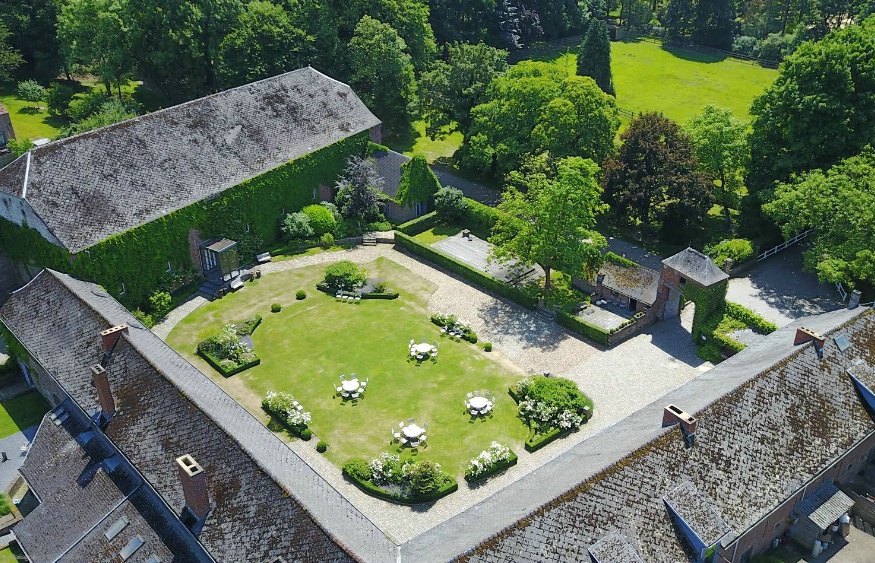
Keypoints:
pixel 262 258
pixel 236 283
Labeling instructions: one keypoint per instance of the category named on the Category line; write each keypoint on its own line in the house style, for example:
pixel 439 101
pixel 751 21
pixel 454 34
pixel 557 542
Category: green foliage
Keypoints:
pixel 110 112
pixel 483 280
pixel 226 353
pixel 13 346
pixel 619 260
pixel 724 320
pixel 275 307
pixel 382 71
pixel 321 218
pixel 322 446
pixel 326 241
pixel 480 218
pixel 738 250
pixel 284 408
pixel 300 295
pixel 418 182
pixel 749 318
pixel 10 59
pixel 296 226
pixel 264 42
pixel 58 98
pixel 419 225
pixel 449 203
pixel 357 469
pixel 145 318
pixel 654 178
pixel 490 461
pixel 819 110
pixel 839 204
pixel 5 504
pixel 306 434
pixel 415 481
pixel 451 88
pixel 19 147
pixel 453 324
pixel 594 57
pixel 357 190
pixel 345 275
pixel 583 328
pixel 707 301
pixel 551 403
pixel 159 304
pixel 487 346
pixel 31 91
pixel 551 223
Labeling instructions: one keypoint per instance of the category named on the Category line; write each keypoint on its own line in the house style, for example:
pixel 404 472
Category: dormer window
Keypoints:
pixel 683 282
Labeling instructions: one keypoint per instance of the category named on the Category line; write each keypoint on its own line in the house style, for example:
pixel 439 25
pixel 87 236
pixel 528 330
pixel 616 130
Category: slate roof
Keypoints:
pixel 82 495
pixel 636 282
pixel 698 513
pixel 388 165
pixel 696 266
pixel 613 548
pixel 103 182
pixel 59 320
pixel 824 505
pixel 806 413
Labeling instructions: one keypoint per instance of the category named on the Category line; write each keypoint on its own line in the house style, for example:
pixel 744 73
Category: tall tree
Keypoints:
pixel 720 140
pixel 418 182
pixel 535 107
pixel 10 59
pixel 654 179
pixel 468 21
pixel 383 71
pixel 594 58
pixel 264 42
pixel 31 26
pixel 451 89
pixel 95 34
pixel 839 204
pixel 819 110
pixel 680 19
pixel 715 23
pixel 551 222
pixel 357 190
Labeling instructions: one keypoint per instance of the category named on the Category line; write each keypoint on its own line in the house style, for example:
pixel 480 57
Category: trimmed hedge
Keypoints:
pixel 537 441
pixel 748 317
pixel 227 373
pixel 420 224
pixel 494 470
pixel 369 488
pixel 393 295
pixel 484 280
pixel 579 326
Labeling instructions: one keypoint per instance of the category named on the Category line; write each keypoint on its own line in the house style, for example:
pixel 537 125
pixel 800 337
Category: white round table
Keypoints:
pixel 478 403
pixel 412 431
pixel 350 385
pixel 423 348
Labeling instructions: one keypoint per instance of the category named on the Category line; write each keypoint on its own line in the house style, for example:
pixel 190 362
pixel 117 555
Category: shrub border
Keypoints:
pixel 292 428
pixel 227 373
pixel 579 326
pixel 537 441
pixel 495 469
pixel 369 488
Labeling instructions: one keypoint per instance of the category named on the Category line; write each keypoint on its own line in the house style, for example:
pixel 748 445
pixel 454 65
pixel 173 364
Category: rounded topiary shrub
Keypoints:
pixel 487 346
pixel 306 434
pixel 322 446
pixel 322 220
pixel 276 308
pixel 301 294
pixel 326 241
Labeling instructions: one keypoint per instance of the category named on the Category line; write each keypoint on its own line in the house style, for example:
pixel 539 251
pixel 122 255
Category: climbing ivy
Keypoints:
pixel 708 301
pixel 137 259
pixel 418 182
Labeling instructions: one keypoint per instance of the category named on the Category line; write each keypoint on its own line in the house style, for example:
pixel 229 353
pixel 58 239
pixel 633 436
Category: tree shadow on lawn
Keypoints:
pixel 693 55
pixel 524 325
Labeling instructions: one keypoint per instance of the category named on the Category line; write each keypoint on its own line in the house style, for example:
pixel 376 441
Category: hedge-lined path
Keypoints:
pixel 620 381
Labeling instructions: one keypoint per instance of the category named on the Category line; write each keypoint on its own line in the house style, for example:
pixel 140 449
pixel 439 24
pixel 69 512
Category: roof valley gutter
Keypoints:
pixel 26 176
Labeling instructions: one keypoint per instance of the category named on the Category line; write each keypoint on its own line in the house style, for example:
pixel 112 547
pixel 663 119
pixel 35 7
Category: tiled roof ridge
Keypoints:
pixel 670 433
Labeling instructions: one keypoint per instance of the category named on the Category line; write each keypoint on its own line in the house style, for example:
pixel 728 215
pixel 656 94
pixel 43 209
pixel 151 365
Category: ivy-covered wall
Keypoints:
pixel 248 213
pixel 707 300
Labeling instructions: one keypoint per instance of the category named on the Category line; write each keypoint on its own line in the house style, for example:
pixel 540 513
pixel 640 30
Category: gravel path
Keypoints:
pixel 619 380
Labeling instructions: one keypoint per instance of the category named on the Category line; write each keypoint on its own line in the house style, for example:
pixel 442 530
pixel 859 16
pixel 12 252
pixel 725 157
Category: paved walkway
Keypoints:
pixel 617 379
pixel 470 188
pixel 12 446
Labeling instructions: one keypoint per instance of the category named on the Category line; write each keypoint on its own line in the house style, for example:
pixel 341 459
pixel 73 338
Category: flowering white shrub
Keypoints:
pixel 550 402
pixel 386 468
pixel 227 348
pixel 282 405
pixel 487 459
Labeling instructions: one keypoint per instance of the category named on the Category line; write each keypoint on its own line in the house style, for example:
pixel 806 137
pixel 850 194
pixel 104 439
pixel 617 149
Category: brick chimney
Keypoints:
pixel 111 335
pixel 194 486
pixel 804 335
pixel 673 415
pixel 104 394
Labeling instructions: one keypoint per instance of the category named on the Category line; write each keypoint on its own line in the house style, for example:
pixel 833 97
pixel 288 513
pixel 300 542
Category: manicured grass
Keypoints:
pixel 21 413
pixel 306 347
pixel 416 142
pixel 8 556
pixel 26 120
pixel 437 234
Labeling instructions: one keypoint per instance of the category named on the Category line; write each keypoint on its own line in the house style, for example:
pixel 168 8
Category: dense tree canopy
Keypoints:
pixel 840 205
pixel 819 110
pixel 31 25
pixel 549 222
pixel 383 71
pixel 10 59
pixel 706 22
pixel 594 58
pixel 357 190
pixel 654 179
pixel 720 140
pixel 264 42
pixel 536 107
pixel 453 87
pixel 471 21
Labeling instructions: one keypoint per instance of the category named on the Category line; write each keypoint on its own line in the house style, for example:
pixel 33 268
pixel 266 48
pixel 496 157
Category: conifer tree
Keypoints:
pixel 594 59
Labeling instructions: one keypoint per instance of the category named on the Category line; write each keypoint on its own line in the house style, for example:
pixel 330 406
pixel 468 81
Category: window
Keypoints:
pixel 683 281
pixel 116 528
pixel 132 547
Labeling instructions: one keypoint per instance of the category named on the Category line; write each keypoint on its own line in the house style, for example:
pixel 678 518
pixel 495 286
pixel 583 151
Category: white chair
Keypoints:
pixel 420 357
pixel 363 385
pixel 345 395
pixel 414 443
pixel 355 395
pixel 411 421
pixel 401 424
pixel 358 299
pixel 337 296
pixel 403 440
pixel 423 438
pixel 412 342
pixel 425 340
pixel 425 427
pixel 339 389
pixel 470 395
pixel 443 330
pixel 467 405
pixel 299 408
pixel 342 377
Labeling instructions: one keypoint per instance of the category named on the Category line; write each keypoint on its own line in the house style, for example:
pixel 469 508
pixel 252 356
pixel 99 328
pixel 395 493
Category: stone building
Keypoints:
pixel 6 130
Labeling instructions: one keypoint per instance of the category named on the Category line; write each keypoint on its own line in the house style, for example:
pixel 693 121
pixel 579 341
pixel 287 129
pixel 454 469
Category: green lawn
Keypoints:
pixel 8 556
pixel 26 120
pixel 306 347
pixel 21 412
pixel 415 142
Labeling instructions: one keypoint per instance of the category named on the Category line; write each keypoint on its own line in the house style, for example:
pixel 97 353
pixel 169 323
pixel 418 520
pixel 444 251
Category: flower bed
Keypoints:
pixel 451 323
pixel 490 461
pixel 551 406
pixel 225 351
pixel 282 407
pixel 403 482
